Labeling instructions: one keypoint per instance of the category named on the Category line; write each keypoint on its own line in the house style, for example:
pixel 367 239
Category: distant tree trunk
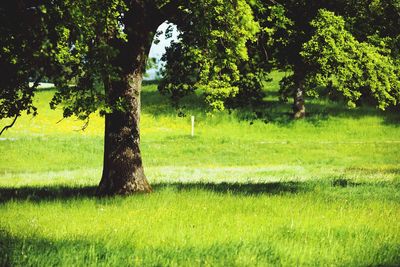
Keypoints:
pixel 299 109
pixel 123 172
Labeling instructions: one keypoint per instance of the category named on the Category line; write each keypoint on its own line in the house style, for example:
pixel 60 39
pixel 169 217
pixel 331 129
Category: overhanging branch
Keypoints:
pixel 35 84
pixel 10 125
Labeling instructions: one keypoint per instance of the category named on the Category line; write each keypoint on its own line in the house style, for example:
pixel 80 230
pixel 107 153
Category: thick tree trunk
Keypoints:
pixel 123 172
pixel 122 168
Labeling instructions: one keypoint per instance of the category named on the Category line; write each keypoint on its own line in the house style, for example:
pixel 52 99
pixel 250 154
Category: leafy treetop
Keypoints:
pixel 73 43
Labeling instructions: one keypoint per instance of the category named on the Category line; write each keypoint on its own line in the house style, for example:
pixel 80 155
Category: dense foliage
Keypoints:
pixel 19 58
pixel 336 60
pixel 64 41
pixel 73 44
pixel 238 79
pixel 351 54
pixel 209 64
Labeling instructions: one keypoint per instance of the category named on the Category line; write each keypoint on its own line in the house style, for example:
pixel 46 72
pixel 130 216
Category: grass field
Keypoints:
pixel 244 191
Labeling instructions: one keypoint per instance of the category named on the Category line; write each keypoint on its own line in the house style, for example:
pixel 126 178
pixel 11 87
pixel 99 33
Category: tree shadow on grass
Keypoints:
pixel 271 188
pixel 55 193
pixel 50 193
pixel 275 111
pixel 36 250
pixel 46 193
pixel 107 248
pixel 268 111
pixel 160 105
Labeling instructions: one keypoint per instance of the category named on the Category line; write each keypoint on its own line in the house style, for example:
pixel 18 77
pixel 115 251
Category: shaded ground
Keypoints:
pixel 60 192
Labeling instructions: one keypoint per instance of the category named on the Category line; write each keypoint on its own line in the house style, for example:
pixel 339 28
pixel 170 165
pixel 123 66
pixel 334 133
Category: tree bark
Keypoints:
pixel 123 172
pixel 299 109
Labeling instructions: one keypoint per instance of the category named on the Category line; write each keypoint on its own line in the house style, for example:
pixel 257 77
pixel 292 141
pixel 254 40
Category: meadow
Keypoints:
pixel 247 190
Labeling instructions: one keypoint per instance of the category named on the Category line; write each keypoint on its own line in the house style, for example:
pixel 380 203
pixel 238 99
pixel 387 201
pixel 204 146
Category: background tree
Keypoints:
pixel 95 51
pixel 349 68
pixel 372 22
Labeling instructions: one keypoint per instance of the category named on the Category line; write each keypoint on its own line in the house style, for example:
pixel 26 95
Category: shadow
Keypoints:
pixel 394 118
pixel 46 193
pixel 273 188
pixel 341 182
pixel 155 103
pixel 64 193
pixel 269 110
pixel 150 82
pixel 317 111
pixel 36 250
pixel 52 193
pixel 109 248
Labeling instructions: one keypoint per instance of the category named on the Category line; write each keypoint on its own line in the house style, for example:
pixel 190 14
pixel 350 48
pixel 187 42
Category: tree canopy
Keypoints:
pixel 73 43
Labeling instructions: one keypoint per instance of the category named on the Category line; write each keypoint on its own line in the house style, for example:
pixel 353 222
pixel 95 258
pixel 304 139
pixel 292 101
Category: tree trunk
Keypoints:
pixel 299 109
pixel 123 172
pixel 123 168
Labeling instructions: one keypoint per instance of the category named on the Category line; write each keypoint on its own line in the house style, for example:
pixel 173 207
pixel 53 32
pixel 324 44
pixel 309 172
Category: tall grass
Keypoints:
pixel 204 224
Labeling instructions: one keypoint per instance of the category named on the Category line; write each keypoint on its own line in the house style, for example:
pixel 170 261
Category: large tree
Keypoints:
pixel 95 51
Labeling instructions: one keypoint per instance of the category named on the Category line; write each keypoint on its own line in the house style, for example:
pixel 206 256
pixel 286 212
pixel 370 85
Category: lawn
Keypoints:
pixel 245 190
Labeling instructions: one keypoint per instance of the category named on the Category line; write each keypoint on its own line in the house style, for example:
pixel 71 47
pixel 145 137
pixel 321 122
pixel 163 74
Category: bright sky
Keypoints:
pixel 157 50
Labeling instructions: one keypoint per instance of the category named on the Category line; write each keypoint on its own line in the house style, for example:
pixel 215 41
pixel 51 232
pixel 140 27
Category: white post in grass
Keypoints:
pixel 192 126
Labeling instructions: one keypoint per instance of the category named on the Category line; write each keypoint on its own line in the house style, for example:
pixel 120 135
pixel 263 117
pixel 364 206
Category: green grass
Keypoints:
pixel 247 190
pixel 310 223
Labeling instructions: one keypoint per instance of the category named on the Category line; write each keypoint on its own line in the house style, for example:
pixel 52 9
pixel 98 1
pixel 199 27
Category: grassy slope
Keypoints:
pixel 318 192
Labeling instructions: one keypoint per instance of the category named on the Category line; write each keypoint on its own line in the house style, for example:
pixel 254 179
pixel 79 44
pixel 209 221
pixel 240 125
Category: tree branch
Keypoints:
pixel 84 126
pixel 35 84
pixel 9 126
